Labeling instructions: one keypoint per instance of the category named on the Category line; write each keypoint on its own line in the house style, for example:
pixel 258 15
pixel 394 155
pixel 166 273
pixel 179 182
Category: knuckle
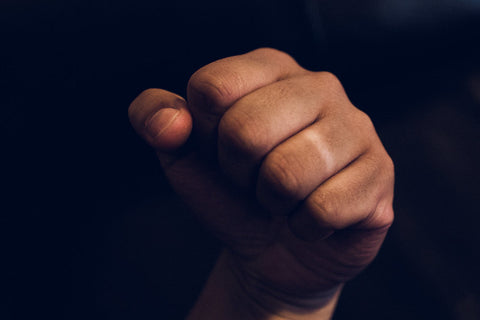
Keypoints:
pixel 364 123
pixel 329 86
pixel 320 202
pixel 390 166
pixel 364 119
pixel 384 215
pixel 390 175
pixel 239 131
pixel 277 57
pixel 389 215
pixel 330 80
pixel 329 77
pixel 213 85
pixel 271 53
pixel 322 205
pixel 278 173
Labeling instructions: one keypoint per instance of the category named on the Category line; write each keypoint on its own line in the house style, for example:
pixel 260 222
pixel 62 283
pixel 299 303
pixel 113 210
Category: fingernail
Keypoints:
pixel 156 125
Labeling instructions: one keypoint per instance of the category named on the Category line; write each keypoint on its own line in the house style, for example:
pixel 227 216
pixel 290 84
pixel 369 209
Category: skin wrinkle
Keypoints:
pixel 244 284
pixel 326 265
pixel 321 263
pixel 284 294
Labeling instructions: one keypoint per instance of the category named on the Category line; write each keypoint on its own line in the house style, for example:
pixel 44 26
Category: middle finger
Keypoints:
pixel 260 121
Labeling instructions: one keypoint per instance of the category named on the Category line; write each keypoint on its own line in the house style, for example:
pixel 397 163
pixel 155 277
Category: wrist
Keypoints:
pixel 267 302
pixel 232 293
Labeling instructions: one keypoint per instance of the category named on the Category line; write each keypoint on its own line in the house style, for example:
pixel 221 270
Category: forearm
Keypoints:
pixel 227 297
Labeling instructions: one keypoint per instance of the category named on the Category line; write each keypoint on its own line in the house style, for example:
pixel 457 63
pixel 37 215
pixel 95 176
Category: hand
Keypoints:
pixel 281 167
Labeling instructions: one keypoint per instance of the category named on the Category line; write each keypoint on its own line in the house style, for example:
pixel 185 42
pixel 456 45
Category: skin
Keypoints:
pixel 280 166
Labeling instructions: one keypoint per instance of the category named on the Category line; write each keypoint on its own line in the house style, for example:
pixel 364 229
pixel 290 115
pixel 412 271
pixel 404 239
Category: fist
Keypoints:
pixel 278 163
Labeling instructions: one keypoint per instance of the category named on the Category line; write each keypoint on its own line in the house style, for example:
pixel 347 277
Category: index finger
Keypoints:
pixel 215 87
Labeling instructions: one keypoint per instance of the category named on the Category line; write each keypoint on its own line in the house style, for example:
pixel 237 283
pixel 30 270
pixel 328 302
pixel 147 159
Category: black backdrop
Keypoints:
pixel 89 228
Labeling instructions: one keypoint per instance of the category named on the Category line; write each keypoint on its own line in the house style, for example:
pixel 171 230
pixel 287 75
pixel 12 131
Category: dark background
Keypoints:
pixel 90 229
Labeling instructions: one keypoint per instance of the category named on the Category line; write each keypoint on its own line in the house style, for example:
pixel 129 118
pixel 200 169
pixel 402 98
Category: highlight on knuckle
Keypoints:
pixel 389 175
pixel 390 166
pixel 269 51
pixel 389 215
pixel 273 54
pixel 365 120
pixel 364 125
pixel 331 81
pixel 279 174
pixel 385 215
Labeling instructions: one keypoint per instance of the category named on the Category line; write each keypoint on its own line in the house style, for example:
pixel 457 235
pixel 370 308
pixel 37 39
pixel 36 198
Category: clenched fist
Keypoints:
pixel 280 166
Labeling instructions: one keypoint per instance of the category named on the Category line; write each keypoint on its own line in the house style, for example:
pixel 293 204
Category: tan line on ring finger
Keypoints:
pixel 257 123
pixel 296 167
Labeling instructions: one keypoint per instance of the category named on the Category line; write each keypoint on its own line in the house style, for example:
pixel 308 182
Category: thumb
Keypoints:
pixel 161 118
